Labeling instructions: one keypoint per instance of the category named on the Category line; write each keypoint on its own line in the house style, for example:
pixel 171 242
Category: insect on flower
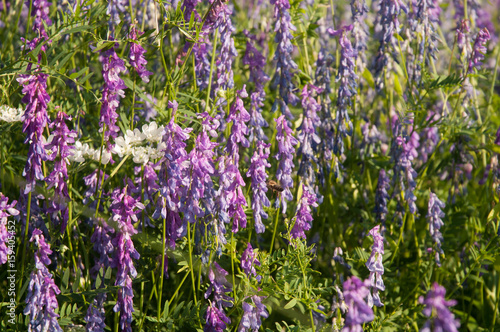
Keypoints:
pixel 274 186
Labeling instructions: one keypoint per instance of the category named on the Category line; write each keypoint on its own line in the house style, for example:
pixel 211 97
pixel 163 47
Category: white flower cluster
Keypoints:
pixel 10 114
pixel 139 144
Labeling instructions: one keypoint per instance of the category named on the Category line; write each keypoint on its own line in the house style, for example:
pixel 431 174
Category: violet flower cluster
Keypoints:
pixel 360 32
pixel 227 52
pixel 463 43
pixel 239 130
pixel 41 300
pixel 256 63
pixel 478 49
pixel 112 91
pixel 251 320
pixel 308 136
pixel 60 149
pixel 286 152
pixel 436 308
pixel 215 317
pixel 136 56
pixel 285 66
pixel 35 118
pixel 249 261
pixel 347 88
pixel 358 311
pixel 257 172
pixel 303 218
pixel 6 236
pixel 376 268
pixel 124 208
pixel 40 11
pixel 434 217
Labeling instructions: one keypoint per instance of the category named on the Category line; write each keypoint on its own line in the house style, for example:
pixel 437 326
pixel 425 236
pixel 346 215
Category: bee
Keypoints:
pixel 274 186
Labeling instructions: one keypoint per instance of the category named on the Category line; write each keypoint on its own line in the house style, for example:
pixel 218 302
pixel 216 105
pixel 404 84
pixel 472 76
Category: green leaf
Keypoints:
pixel 77 74
pixel 78 29
pixel 367 75
pixel 291 304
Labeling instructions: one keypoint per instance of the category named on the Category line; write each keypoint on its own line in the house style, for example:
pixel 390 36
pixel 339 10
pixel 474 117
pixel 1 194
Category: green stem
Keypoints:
pixel 191 267
pixel 25 244
pixel 164 233
pixel 275 228
pixel 233 249
pixel 212 63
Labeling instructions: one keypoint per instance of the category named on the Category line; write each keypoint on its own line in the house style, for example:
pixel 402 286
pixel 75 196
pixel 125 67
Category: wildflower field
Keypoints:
pixel 249 165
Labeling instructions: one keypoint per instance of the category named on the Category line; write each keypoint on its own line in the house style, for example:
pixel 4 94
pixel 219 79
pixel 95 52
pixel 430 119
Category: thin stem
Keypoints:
pixel 191 267
pixel 25 243
pixel 207 100
pixel 275 228
pixel 164 234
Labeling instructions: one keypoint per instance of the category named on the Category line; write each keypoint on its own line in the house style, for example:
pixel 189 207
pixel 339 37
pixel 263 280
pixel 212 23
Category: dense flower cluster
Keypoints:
pixel 374 264
pixel 136 56
pixel 436 308
pixel 434 216
pixel 358 311
pixel 257 172
pixel 239 130
pixel 286 150
pixel 251 320
pixel 303 218
pixel 479 49
pixel 41 299
pixel 285 66
pixel 40 12
pixel 249 261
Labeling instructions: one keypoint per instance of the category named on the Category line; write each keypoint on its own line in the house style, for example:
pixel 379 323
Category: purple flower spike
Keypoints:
pixel 6 210
pixel 303 218
pixel 435 222
pixel 60 148
pixel 124 209
pixel 137 59
pixel 239 115
pixel 40 10
pixel 41 299
pixel 374 264
pixel 286 151
pixel 436 308
pixel 257 172
pixel 227 52
pixel 251 320
pixel 112 91
pixel 216 319
pixel 249 261
pixel 35 119
pixel 358 311
pixel 285 66
pixel 387 17
pixel 479 49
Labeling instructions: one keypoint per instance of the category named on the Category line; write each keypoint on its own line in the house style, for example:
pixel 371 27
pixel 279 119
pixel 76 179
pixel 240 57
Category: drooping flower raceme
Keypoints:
pixel 239 130
pixel 227 52
pixel 257 172
pixel 218 288
pixel 303 218
pixel 285 66
pixel 374 264
pixel 436 308
pixel 251 320
pixel 40 11
pixel 358 311
pixel 124 208
pixel 286 152
pixel 35 118
pixel 256 63
pixel 137 59
pixel 112 91
pixel 434 216
pixel 60 148
pixel 249 261
pixel 6 210
pixel 41 299
pixel 308 136
pixel 479 49
pixel 347 88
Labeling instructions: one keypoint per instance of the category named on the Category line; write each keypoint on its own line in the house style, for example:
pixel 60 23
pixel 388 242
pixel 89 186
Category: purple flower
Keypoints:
pixel 189 7
pixel 347 77
pixel 216 319
pixel 308 136
pixel 40 10
pixel 35 118
pixel 436 308
pixel 227 52
pixel 95 314
pixel 219 286
pixel 6 210
pixel 479 49
pixel 41 299
pixel 360 31
pixel 256 62
pixel 387 18
pixel 303 218
pixel 137 55
pixel 124 208
pixel 376 268
pixel 285 66
pixel 93 182
pixel 434 216
pixel 381 197
pixel 60 148
pixel 429 138
pixel 239 115
pixel 285 155
pixel 463 39
pixel 112 91
pixel 358 311
pixel 257 172
pixel 251 320
pixel 249 261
